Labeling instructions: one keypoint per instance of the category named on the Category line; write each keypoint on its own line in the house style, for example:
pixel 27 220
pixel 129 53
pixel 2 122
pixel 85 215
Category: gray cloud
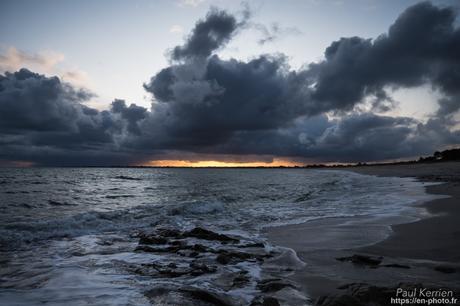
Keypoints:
pixel 208 35
pixel 352 138
pixel 29 101
pixel 228 96
pixel 44 119
pixel 218 105
pixel 422 46
pixel 132 114
pixel 207 106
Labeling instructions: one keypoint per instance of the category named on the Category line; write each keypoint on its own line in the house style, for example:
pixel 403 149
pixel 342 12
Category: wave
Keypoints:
pixel 250 206
pixel 130 178
pixel 57 203
pixel 197 208
pixel 120 196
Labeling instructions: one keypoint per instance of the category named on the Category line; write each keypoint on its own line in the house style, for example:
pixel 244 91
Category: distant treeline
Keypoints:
pixel 443 156
pixel 446 155
pixel 438 156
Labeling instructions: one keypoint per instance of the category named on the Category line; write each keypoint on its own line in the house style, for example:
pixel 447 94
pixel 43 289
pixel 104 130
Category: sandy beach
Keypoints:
pixel 404 252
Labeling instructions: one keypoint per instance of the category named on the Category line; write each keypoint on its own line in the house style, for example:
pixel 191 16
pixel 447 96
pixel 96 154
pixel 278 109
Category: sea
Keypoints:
pixel 70 236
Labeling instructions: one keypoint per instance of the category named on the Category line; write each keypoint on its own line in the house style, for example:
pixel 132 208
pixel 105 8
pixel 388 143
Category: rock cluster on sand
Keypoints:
pixel 364 260
pixel 377 262
pixel 362 294
pixel 359 294
pixel 207 252
pixel 371 261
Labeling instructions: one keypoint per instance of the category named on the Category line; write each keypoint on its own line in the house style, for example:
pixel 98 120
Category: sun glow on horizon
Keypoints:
pixel 221 164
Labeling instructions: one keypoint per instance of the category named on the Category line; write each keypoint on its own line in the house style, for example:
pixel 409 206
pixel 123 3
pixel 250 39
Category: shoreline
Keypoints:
pixel 420 239
pixel 428 249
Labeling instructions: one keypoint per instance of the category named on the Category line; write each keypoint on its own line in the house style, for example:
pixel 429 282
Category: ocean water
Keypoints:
pixel 68 235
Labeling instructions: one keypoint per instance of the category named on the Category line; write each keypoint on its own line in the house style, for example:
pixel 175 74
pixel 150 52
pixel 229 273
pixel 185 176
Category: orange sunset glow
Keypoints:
pixel 277 162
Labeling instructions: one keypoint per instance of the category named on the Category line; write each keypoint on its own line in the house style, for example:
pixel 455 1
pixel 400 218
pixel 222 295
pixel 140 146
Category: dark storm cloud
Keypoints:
pixel 208 35
pixel 352 138
pixel 206 106
pixel 131 114
pixel 368 137
pixel 204 96
pixel 29 101
pixel 422 46
pixel 227 96
pixel 203 100
pixel 211 105
pixel 42 118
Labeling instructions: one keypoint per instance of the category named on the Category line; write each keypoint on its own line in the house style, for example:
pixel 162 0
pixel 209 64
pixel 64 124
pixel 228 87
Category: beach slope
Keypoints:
pixel 424 253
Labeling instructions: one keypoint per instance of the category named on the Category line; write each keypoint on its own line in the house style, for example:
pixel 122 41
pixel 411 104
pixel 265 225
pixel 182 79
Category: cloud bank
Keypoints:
pixel 205 105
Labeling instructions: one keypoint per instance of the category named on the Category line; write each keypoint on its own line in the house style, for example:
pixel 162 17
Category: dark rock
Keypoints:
pixel 223 259
pixel 168 232
pixel 361 294
pixel 244 255
pixel 340 287
pixel 197 273
pixel 199 248
pixel 174 272
pixel 149 249
pixel 273 285
pixel 270 301
pixel 363 260
pixel 226 256
pixel 240 280
pixel 268 280
pixel 152 239
pixel 187 252
pixel 202 268
pixel 341 300
pixel 178 242
pixel 252 245
pixel 205 234
pixel 445 269
pixel 395 265
pixel 265 301
pixel 155 292
pixel 146 269
pixel 206 296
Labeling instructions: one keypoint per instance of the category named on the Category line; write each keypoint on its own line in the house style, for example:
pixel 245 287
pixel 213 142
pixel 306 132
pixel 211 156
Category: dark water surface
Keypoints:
pixel 68 235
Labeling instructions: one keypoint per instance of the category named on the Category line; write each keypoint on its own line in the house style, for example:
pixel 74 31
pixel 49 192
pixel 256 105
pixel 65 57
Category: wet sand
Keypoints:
pixel 425 251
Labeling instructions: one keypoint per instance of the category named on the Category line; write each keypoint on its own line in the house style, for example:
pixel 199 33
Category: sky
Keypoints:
pixel 200 82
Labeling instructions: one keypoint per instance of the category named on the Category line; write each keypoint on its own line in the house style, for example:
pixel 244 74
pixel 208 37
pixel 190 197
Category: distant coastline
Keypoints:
pixel 437 157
